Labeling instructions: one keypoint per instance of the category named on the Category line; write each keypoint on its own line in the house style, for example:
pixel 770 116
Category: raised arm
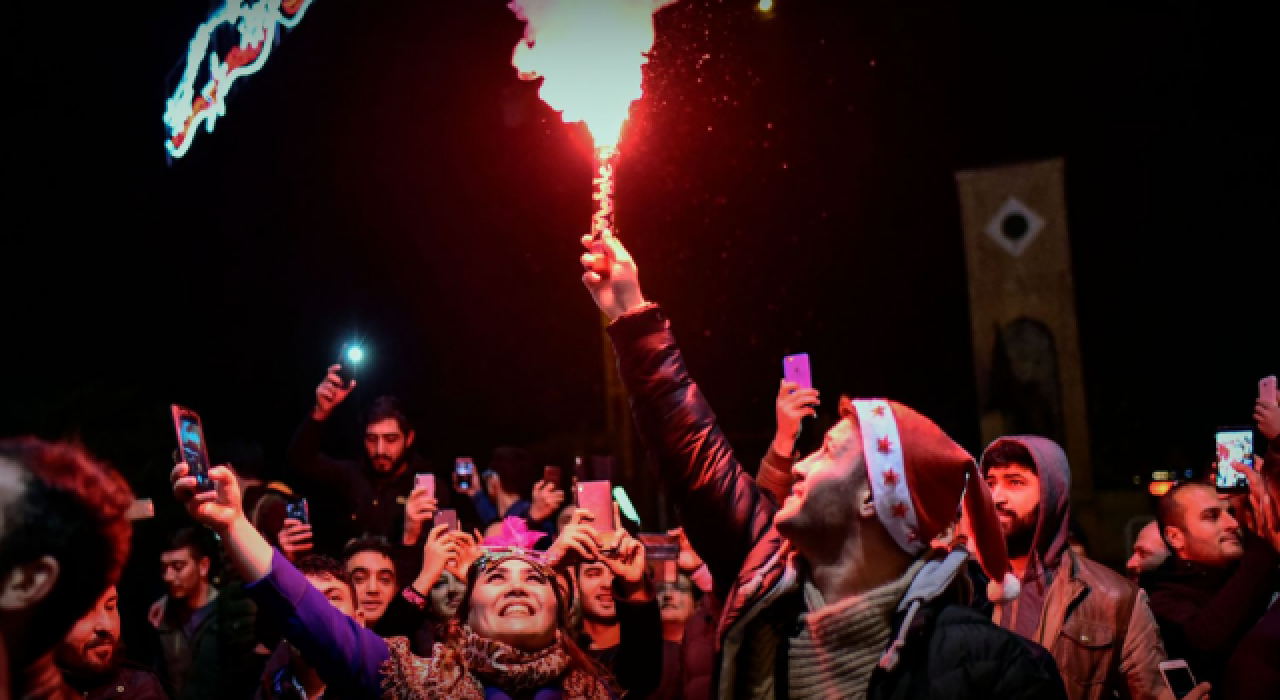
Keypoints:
pixel 347 655
pixel 724 511
pixel 303 454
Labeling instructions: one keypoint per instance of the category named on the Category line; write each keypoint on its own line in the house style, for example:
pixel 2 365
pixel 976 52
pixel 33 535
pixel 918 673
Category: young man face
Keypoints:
pixel 338 593
pixel 374 577
pixel 184 572
pixel 90 646
pixel 828 485
pixel 1203 531
pixel 595 583
pixel 386 444
pixel 1015 491
pixel 1149 552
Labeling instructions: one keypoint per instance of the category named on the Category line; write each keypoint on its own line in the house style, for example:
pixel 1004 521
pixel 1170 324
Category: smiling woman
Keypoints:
pixel 508 640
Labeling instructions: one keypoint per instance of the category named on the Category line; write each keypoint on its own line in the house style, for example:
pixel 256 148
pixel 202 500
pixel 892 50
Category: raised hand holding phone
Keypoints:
pixel 420 508
pixel 192 449
pixel 331 391
pixel 1266 412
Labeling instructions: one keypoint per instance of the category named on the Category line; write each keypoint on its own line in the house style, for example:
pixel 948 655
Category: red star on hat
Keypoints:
pixel 890 478
pixel 884 444
pixel 899 510
pixel 878 411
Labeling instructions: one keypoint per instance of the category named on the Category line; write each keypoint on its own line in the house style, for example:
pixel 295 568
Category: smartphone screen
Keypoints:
pixel 446 517
pixel 1267 389
pixel 466 471
pixel 298 510
pixel 192 446
pixel 795 368
pixel 1234 445
pixel 597 497
pixel 1179 679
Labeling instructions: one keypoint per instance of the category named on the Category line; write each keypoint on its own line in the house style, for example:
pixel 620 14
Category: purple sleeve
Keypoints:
pixel 347 655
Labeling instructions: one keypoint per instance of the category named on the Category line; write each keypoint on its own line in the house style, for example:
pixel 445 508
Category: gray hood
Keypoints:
pixel 1054 471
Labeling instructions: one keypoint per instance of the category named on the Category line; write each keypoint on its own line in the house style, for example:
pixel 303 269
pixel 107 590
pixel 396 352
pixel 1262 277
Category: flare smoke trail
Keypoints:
pixel 256 23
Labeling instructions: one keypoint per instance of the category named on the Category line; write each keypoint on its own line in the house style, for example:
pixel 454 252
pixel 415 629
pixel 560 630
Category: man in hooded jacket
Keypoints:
pixel 1096 623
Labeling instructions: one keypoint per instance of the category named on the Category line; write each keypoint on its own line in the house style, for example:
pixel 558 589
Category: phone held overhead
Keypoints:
pixel 191 445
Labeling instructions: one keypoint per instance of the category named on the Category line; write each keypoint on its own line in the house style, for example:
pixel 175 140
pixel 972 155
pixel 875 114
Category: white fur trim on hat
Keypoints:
pixel 1004 591
pixel 887 474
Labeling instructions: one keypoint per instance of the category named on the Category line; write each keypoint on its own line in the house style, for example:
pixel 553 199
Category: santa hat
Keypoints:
pixel 918 477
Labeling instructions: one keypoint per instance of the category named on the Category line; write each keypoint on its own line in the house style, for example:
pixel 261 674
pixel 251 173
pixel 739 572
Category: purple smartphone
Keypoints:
pixel 795 368
pixel 597 497
pixel 446 517
pixel 425 481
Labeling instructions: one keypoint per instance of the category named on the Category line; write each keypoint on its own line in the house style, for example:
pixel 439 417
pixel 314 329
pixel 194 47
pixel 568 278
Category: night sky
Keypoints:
pixel 786 185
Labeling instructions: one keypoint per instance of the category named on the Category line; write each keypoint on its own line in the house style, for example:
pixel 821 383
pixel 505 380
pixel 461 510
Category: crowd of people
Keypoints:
pixel 887 563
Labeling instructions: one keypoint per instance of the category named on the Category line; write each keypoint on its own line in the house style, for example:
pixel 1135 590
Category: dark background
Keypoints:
pixel 786 185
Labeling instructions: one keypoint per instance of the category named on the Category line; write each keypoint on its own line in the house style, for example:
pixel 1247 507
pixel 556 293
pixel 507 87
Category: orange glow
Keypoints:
pixel 589 54
pixel 1159 488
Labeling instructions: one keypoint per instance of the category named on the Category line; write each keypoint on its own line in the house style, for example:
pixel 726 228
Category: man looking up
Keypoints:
pixel 90 660
pixel 369 493
pixel 1064 594
pixel 842 569
pixel 1216 585
pixel 64 538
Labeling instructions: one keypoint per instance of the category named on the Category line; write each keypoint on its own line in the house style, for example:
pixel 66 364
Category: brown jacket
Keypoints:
pixel 1097 625
pixel 1099 628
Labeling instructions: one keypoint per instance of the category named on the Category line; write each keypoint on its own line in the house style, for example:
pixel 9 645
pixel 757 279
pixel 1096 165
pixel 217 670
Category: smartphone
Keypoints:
pixel 1178 676
pixel 465 468
pixel 1267 390
pixel 141 509
pixel 426 482
pixel 191 445
pixel 348 362
pixel 597 497
pixel 446 517
pixel 298 510
pixel 795 368
pixel 1234 445
pixel 660 545
pixel 551 475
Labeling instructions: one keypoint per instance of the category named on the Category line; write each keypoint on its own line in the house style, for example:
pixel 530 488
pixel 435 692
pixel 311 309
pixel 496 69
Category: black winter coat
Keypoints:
pixel 951 651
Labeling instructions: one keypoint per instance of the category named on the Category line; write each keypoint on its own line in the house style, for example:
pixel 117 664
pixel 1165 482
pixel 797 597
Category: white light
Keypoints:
pixel 355 353
pixel 765 5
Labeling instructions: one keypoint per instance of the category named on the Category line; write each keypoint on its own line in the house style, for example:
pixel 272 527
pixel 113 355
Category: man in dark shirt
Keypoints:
pixel 1216 585
pixel 370 493
pixel 89 657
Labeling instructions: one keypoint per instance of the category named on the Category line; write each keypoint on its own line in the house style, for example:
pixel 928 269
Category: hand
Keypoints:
pixel 420 508
pixel 1200 692
pixel 473 485
pixel 627 566
pixel 218 508
pixel 440 550
pixel 792 405
pixel 468 552
pixel 295 539
pixel 619 292
pixel 689 560
pixel 1265 517
pixel 155 614
pixel 547 499
pixel 1268 417
pixel 578 541
pixel 330 393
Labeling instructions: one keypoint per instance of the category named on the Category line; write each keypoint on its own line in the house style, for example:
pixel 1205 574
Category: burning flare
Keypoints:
pixel 255 23
pixel 590 55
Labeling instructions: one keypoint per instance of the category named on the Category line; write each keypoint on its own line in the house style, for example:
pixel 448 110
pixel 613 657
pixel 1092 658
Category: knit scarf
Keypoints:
pixel 464 671
pixel 840 644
